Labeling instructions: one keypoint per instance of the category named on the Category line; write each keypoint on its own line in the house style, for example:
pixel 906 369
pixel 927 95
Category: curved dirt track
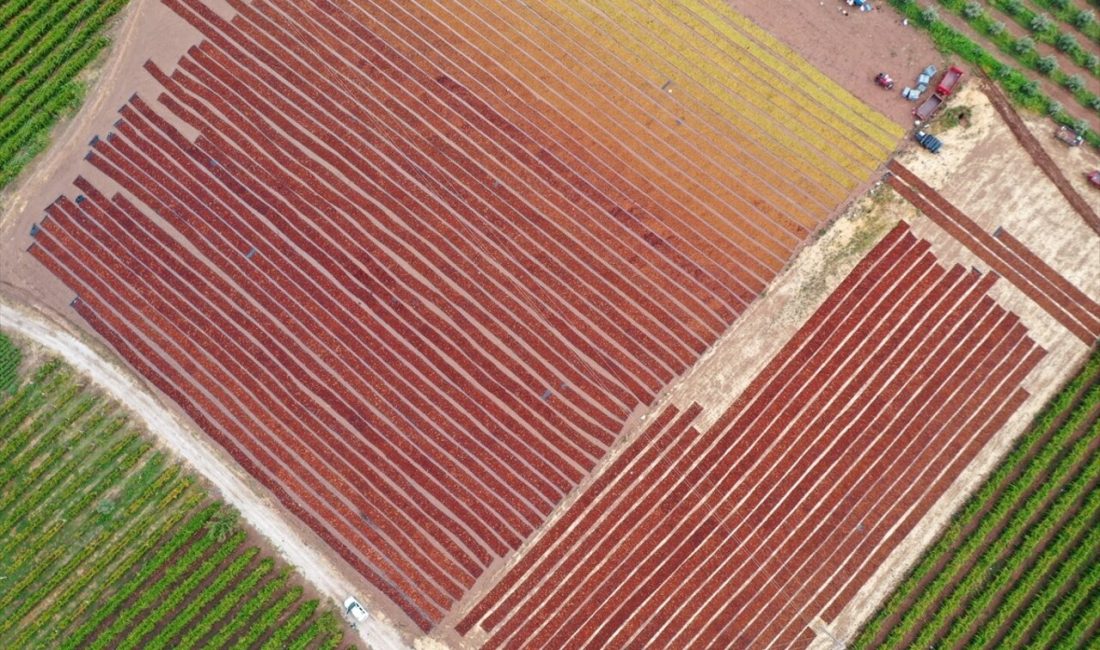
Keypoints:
pixel 204 459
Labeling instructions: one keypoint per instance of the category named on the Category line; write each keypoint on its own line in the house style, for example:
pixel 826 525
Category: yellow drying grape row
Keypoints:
pixel 826 91
pixel 694 74
pixel 552 33
pixel 560 73
pixel 714 142
pixel 783 91
pixel 711 56
pixel 763 99
pixel 604 30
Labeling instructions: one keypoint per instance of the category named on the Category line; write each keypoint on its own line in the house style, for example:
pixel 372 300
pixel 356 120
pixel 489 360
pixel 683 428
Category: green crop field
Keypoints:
pixel 10 358
pixel 108 544
pixel 44 44
pixel 1019 565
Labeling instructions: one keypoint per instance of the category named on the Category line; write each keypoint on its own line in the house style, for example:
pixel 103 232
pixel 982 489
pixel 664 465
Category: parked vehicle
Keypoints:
pixel 884 80
pixel 928 108
pixel 1069 136
pixel 928 141
pixel 949 81
pixel 1094 177
pixel 354 609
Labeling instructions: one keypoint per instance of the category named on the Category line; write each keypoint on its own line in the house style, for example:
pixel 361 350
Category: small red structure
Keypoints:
pixel 950 79
pixel 1094 177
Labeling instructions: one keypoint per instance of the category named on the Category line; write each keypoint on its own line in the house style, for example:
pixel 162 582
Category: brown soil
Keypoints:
pixel 851 49
pixel 1031 144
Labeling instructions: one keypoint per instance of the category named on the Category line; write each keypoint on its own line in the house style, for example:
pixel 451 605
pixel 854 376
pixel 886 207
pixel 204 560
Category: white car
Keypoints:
pixel 353 608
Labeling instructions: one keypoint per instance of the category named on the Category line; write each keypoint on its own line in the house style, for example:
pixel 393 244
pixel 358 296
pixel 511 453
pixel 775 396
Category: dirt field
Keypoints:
pixel 851 49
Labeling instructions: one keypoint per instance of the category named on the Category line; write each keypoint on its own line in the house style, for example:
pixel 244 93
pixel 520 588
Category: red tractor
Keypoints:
pixel 1094 177
pixel 884 80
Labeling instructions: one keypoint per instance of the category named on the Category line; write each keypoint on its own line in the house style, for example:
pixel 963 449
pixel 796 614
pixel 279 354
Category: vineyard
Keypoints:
pixel 740 535
pixel 1019 565
pixel 10 358
pixel 108 544
pixel 44 45
pixel 414 275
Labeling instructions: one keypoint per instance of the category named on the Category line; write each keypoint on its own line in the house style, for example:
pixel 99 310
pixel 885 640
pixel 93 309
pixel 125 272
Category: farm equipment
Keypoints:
pixel 928 141
pixel 884 80
pixel 1069 136
pixel 923 79
pixel 1094 177
pixel 928 108
pixel 949 81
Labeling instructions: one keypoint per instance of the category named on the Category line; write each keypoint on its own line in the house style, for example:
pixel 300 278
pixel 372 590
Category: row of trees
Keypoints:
pixel 108 544
pixel 1013 553
pixel 1023 90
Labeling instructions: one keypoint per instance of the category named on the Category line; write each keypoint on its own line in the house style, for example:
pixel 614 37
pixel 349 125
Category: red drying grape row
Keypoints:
pixel 161 258
pixel 875 519
pixel 459 333
pixel 295 305
pixel 681 516
pixel 1068 305
pixel 894 244
pixel 309 45
pixel 1082 307
pixel 586 292
pixel 412 313
pixel 684 516
pixel 305 496
pixel 242 384
pixel 948 287
pixel 473 69
pixel 822 325
pixel 797 494
pixel 998 412
pixel 1012 252
pixel 420 405
pixel 352 227
pixel 813 353
pixel 544 549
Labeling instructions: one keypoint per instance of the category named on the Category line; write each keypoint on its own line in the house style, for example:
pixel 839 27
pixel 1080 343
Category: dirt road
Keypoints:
pixel 255 508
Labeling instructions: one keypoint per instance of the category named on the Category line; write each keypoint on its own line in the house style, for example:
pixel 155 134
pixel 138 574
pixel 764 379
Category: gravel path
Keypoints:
pixel 203 458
